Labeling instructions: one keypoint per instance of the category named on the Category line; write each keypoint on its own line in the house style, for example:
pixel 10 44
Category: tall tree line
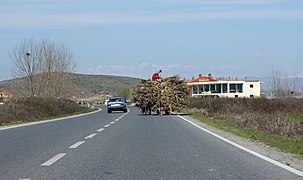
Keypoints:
pixel 45 66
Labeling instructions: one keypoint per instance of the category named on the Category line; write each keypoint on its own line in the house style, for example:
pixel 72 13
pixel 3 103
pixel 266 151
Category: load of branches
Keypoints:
pixel 164 95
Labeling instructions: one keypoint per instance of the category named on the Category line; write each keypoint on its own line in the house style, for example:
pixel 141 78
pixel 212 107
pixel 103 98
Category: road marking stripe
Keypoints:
pixel 25 179
pixel 90 136
pixel 76 144
pixel 293 170
pixel 101 129
pixel 117 120
pixel 53 159
pixel 113 122
pixel 107 125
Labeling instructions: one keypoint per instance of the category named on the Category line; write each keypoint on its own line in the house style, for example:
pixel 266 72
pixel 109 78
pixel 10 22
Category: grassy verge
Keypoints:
pixel 297 118
pixel 87 110
pixel 285 144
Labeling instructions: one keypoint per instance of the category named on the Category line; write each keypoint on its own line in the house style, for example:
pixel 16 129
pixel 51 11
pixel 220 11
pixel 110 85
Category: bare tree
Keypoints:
pixel 56 63
pixel 25 59
pixel 282 86
pixel 49 65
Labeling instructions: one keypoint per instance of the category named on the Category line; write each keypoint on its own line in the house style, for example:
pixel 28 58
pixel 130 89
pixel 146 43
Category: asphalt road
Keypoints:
pixel 126 146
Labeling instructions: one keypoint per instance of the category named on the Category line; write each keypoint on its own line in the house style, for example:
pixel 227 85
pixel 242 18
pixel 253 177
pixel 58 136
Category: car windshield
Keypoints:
pixel 116 100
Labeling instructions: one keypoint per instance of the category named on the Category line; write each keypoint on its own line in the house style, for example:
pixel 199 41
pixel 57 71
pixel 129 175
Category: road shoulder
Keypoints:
pixel 284 158
pixel 45 121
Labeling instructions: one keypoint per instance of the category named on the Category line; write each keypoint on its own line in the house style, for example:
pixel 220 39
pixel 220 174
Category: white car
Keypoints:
pixel 116 104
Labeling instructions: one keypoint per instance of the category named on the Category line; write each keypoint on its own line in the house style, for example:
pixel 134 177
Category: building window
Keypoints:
pixel 251 96
pixel 218 88
pixel 201 89
pixel 212 88
pixel 232 88
pixel 195 89
pixel 224 87
pixel 251 86
pixel 236 88
pixel 206 87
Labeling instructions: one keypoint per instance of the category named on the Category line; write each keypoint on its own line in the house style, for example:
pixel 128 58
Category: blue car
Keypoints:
pixel 116 104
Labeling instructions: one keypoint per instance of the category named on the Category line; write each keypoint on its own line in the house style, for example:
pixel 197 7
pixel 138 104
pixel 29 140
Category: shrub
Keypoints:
pixel 268 115
pixel 26 109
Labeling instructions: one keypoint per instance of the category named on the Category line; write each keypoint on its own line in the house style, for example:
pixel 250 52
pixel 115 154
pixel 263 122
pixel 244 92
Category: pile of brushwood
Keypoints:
pixel 164 95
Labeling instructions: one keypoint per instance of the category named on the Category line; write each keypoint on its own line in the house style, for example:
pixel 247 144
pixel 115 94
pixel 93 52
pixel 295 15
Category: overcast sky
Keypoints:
pixel 227 38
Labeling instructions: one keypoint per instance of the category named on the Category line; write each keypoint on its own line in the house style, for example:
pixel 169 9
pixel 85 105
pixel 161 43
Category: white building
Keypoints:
pixel 208 86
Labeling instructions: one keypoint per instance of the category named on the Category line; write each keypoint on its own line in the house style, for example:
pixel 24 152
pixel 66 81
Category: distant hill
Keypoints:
pixel 101 83
pixel 86 84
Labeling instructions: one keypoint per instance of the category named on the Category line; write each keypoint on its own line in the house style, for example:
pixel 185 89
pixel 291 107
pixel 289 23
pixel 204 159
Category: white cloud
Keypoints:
pixel 260 54
pixel 55 13
pixel 145 70
pixel 292 75
pixel 50 19
pixel 143 65
pixel 222 67
pixel 225 68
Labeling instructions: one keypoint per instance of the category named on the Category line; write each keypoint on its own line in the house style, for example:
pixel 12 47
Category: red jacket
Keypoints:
pixel 155 76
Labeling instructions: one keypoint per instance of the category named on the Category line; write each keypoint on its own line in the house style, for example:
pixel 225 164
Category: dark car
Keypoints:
pixel 116 104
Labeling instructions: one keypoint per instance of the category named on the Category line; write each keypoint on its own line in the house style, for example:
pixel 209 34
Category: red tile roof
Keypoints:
pixel 201 78
pixel 5 93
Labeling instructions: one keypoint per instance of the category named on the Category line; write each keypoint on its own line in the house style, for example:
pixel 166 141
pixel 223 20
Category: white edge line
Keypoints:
pixel 300 173
pixel 45 121
pixel 101 129
pixel 90 136
pixel 77 144
pixel 53 159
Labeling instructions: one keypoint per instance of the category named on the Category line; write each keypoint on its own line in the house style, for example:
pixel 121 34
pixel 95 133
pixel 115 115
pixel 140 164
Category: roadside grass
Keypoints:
pixel 297 118
pixel 282 143
pixel 86 110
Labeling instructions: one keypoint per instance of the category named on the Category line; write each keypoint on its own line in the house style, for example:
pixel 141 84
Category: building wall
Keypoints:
pixel 235 88
pixel 253 88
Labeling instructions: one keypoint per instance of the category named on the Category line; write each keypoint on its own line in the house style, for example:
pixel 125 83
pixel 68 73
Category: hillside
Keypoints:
pixel 87 85
pixel 101 83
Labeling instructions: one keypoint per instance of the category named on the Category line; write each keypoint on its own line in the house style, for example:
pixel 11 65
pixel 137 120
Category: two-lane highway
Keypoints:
pixel 126 146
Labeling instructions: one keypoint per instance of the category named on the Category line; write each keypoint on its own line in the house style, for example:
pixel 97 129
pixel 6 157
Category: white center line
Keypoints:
pixel 53 159
pixel 90 136
pixel 117 120
pixel 107 125
pixel 76 144
pixel 25 179
pixel 112 122
pixel 101 129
